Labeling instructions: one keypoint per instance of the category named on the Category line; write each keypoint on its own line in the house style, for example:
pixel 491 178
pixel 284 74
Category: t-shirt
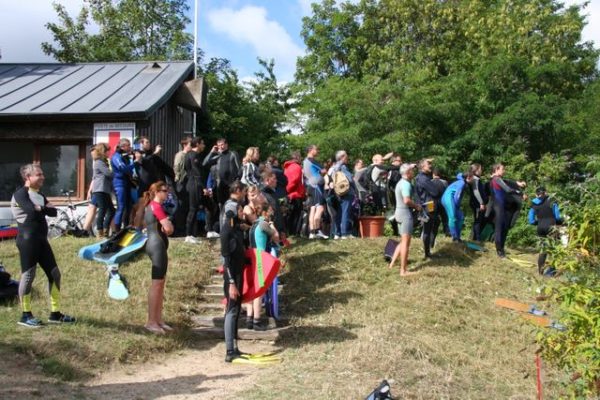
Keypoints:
pixel 312 172
pixel 403 189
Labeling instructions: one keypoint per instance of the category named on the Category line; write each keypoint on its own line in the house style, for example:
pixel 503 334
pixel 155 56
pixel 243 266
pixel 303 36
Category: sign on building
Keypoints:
pixel 111 133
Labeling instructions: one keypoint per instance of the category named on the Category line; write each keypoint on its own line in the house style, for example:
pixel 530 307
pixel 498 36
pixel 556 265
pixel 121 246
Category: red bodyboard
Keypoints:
pixel 252 288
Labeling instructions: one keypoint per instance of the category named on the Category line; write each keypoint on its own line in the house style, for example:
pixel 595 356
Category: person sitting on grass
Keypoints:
pixel 545 214
pixel 30 208
pixel 451 201
pixel 158 228
pixel 404 204
pixel 262 236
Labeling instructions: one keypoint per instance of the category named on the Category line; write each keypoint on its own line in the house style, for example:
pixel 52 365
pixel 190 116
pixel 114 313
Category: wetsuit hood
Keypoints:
pixel 459 176
pixel 539 200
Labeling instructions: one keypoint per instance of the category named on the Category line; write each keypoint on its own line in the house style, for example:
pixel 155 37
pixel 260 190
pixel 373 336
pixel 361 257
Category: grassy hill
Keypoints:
pixel 354 322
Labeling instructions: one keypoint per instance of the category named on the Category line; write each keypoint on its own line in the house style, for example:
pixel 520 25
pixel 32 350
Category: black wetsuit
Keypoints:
pixel 545 214
pixel 232 250
pixel 477 198
pixel 32 242
pixel 195 188
pixel 428 191
pixel 157 243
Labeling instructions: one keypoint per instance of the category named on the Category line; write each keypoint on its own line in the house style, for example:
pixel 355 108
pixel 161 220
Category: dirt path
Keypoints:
pixel 190 374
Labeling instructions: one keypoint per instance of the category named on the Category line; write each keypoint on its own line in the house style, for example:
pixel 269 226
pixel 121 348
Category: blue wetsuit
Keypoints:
pixel 123 169
pixel 451 201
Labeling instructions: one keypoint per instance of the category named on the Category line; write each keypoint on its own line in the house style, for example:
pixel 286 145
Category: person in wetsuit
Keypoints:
pixel 232 250
pixel 477 200
pixel 503 212
pixel 158 228
pixel 227 170
pixel 195 189
pixel 30 208
pixel 427 191
pixel 123 171
pixel 451 201
pixel 545 214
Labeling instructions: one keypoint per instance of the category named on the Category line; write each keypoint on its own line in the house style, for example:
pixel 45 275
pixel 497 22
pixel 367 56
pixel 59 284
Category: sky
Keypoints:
pixel 238 30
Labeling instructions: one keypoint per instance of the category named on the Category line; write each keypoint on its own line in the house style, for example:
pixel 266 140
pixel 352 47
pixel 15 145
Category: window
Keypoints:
pixel 63 165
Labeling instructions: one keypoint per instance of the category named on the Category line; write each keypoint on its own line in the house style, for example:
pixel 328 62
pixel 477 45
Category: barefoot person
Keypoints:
pixel 404 203
pixel 30 208
pixel 158 227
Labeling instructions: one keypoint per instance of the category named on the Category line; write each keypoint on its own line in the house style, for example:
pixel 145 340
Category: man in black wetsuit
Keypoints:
pixel 232 250
pixel 228 168
pixel 152 167
pixel 427 192
pixel 30 208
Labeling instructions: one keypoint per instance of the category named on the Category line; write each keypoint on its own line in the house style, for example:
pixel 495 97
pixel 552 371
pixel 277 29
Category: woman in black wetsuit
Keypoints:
pixel 158 228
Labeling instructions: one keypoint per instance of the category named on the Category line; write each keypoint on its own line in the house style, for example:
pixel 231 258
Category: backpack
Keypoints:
pixel 341 184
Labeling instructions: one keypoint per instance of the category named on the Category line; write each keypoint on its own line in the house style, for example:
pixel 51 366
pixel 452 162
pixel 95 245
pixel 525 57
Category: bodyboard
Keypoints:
pixel 390 247
pixel 130 243
pixel 487 233
pixel 544 322
pixel 273 299
pixel 259 273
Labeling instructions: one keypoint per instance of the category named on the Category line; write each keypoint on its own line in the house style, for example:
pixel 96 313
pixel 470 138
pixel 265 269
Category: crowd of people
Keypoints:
pixel 257 203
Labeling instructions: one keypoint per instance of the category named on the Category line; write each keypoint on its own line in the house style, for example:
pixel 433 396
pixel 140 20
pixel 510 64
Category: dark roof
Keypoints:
pixel 124 90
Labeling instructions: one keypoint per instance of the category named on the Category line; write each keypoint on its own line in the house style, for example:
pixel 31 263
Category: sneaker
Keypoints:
pixel 347 237
pixel 312 236
pixel 321 235
pixel 249 323
pixel 60 318
pixel 212 235
pixel 191 239
pixel 336 237
pixel 30 322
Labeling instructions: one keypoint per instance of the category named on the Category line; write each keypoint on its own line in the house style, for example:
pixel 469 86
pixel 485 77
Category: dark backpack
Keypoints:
pixel 381 392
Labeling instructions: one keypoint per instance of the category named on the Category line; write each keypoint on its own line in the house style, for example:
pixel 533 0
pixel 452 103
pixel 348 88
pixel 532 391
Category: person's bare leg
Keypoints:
pixel 395 256
pixel 404 247
pixel 160 306
pixel 311 219
pixel 257 308
pixel 89 217
pixel 154 296
pixel 318 215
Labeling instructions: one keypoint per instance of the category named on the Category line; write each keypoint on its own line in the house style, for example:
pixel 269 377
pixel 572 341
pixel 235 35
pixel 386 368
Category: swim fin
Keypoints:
pixel 474 246
pixel 262 361
pixel 117 287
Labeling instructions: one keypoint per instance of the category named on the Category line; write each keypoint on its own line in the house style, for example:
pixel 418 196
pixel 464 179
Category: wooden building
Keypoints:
pixel 52 113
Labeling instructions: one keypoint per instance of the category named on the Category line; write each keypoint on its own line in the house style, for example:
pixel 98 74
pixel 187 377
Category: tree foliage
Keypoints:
pixel 129 30
pixel 459 80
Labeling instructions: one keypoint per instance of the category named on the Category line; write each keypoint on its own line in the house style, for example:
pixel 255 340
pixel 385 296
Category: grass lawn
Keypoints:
pixel 435 335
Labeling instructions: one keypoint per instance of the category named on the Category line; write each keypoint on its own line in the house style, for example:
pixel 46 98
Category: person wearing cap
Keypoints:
pixel 427 193
pixel 451 201
pixel 403 214
pixel 545 214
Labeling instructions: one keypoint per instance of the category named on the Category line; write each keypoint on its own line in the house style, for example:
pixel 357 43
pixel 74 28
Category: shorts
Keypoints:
pixel 405 221
pixel 314 196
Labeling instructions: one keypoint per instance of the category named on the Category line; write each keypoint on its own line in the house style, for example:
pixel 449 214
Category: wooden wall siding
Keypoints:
pixel 167 126
pixel 47 131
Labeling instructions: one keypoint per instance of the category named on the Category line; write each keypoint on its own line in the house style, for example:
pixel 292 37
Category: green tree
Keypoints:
pixel 128 30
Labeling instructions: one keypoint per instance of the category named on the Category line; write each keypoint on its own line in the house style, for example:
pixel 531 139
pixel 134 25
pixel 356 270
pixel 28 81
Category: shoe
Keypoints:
pixel 60 318
pixel 501 253
pixel 259 325
pixel 230 356
pixel 347 237
pixel 212 235
pixel 336 237
pixel 30 322
pixel 249 323
pixel 312 236
pixel 321 235
pixel 191 239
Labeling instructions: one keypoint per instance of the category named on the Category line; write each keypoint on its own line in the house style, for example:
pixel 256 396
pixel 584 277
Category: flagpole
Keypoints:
pixel 195 57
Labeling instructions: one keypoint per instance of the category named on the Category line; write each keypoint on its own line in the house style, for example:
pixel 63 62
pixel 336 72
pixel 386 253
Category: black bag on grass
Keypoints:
pixel 381 392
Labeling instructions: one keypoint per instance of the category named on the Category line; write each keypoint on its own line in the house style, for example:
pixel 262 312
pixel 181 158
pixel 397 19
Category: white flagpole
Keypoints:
pixel 195 57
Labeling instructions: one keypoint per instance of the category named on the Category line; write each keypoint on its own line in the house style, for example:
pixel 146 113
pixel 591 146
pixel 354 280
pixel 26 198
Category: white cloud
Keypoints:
pixel 267 38
pixel 22 29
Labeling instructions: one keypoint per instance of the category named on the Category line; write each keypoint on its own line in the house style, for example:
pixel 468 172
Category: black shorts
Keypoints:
pixel 314 196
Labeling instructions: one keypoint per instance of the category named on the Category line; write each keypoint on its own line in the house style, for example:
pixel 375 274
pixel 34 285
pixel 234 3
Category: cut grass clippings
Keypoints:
pixel 434 335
